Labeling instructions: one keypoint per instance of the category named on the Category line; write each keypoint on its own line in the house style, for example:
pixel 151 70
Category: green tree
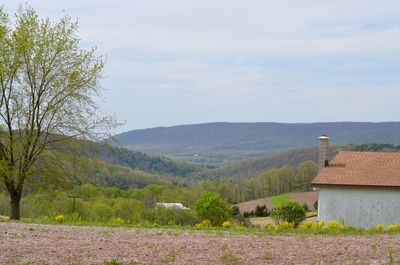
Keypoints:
pixel 212 207
pixel 47 89
pixel 261 211
pixel 235 210
pixel 289 211
pixel 305 174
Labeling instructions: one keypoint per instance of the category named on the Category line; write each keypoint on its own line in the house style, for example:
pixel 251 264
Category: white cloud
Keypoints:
pixel 242 60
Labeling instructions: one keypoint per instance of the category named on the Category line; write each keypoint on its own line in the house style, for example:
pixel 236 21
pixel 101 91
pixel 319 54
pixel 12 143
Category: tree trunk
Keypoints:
pixel 15 209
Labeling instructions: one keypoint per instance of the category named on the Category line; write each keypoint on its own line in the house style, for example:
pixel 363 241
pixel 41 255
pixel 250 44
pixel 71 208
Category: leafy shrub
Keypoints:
pixel 240 220
pixel 203 224
pixel 261 211
pixel 235 210
pixel 128 209
pixel 333 224
pixel 212 207
pixel 248 214
pixel 289 211
pixel 168 216
pixel 316 205
pixel 59 218
pixel 306 208
pixel 226 224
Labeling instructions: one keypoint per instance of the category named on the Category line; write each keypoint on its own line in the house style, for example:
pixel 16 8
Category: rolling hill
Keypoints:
pixel 255 166
pixel 216 143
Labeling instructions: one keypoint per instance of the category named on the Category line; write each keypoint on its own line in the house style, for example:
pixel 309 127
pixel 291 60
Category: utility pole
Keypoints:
pixel 73 205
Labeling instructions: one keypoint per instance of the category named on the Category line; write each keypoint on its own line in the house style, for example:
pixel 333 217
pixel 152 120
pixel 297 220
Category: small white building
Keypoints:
pixel 360 189
pixel 172 205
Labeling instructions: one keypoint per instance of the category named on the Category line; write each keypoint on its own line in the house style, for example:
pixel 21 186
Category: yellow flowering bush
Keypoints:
pixel 118 221
pixel 204 223
pixel 226 224
pixel 284 225
pixel 319 224
pixel 306 225
pixel 393 228
pixel 270 227
pixel 333 224
pixel 380 227
pixel 6 218
pixel 59 218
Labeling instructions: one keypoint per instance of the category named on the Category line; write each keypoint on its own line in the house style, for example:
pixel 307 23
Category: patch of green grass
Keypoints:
pixel 311 214
pixel 277 200
pixel 72 261
pixel 175 230
pixel 113 262
pixel 135 263
pixel 225 246
pixel 231 259
pixel 269 256
pixel 171 257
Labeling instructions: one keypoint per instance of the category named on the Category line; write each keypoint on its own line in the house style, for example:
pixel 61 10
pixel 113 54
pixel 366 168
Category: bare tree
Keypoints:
pixel 48 86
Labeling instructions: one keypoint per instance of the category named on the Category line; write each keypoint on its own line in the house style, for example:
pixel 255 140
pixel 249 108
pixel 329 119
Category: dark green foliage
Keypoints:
pixel 261 211
pixel 235 210
pixel 138 160
pixel 248 214
pixel 305 207
pixel 241 220
pixel 289 211
pixel 173 216
pixel 316 205
pixel 212 207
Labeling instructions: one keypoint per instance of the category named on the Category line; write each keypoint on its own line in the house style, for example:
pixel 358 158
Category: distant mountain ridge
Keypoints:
pixel 222 142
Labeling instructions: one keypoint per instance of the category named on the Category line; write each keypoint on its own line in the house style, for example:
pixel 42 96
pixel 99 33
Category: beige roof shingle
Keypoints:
pixel 379 169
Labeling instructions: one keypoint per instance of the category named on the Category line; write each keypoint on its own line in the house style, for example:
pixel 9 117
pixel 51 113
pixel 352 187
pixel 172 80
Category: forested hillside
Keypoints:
pixel 223 142
pixel 155 164
pixel 252 167
pixel 78 162
pixel 81 162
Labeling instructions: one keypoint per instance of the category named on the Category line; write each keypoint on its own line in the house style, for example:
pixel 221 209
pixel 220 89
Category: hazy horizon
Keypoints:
pixel 174 62
pixel 276 122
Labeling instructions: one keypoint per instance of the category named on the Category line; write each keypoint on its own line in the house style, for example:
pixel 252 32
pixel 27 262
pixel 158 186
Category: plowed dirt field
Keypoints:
pixel 60 244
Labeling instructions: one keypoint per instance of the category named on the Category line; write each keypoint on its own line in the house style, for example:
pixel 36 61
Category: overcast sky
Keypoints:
pixel 175 62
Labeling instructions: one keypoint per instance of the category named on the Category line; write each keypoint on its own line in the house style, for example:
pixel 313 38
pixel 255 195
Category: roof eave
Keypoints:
pixel 355 185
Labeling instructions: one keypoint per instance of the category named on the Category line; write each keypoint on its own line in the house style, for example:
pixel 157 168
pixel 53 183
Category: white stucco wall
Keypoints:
pixel 359 207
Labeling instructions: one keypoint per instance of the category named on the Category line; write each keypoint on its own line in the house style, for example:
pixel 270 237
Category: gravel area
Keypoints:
pixel 60 244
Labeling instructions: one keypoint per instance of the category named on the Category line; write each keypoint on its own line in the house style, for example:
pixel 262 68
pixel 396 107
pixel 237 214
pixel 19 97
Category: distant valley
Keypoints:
pixel 219 143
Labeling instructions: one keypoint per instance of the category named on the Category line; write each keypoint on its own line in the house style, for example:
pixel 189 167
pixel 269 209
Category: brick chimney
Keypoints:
pixel 323 151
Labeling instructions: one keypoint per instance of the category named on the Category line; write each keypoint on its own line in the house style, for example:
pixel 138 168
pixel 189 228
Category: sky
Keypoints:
pixel 184 62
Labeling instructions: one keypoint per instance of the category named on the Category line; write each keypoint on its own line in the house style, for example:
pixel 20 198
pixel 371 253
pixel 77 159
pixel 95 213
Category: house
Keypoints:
pixel 360 189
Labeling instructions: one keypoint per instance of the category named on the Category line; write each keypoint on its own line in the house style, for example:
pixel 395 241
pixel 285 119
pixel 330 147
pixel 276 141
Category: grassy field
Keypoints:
pixel 276 201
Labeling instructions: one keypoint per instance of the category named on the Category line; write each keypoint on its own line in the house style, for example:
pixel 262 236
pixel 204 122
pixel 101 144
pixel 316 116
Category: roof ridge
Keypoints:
pixel 369 152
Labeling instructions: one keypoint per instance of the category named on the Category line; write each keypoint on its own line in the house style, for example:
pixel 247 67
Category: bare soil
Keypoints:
pixel 60 244
pixel 306 197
